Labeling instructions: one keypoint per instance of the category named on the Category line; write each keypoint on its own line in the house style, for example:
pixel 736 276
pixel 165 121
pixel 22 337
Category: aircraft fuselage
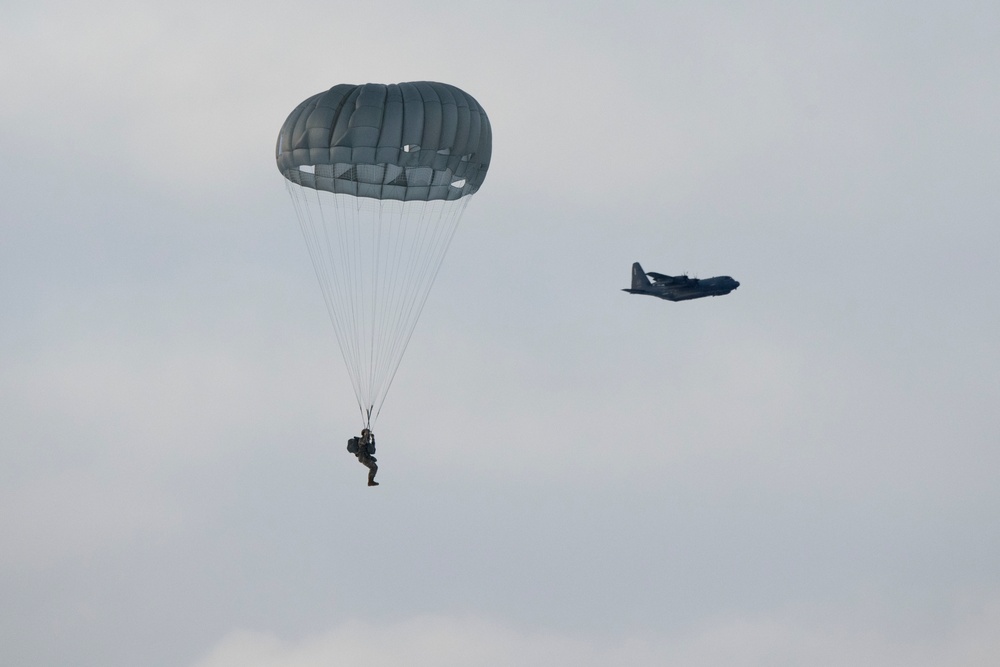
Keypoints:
pixel 678 288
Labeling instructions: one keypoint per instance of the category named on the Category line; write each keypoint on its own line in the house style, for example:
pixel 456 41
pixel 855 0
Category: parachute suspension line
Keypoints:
pixel 375 267
pixel 445 224
pixel 391 221
pixel 315 231
pixel 335 281
pixel 376 264
pixel 373 280
pixel 376 261
pixel 399 280
pixel 390 246
pixel 343 250
pixel 351 220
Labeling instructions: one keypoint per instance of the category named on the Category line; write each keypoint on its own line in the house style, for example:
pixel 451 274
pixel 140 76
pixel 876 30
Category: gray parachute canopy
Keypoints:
pixel 418 141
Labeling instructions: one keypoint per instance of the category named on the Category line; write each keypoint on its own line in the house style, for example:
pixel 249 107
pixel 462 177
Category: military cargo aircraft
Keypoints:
pixel 678 288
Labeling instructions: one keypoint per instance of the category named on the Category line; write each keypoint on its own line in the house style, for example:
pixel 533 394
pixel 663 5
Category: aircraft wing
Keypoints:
pixel 668 280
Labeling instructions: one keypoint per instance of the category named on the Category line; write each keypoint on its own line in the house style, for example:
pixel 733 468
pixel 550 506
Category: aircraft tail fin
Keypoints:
pixel 639 279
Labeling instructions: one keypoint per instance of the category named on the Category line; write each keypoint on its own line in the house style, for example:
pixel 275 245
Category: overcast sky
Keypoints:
pixel 804 472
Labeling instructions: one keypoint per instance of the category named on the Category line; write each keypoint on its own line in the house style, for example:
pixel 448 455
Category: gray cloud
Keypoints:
pixel 463 641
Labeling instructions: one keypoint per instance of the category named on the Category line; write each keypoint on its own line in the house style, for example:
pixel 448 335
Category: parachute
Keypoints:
pixel 379 176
